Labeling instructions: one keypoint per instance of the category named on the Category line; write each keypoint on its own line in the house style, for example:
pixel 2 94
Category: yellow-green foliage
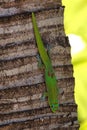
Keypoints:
pixel 76 17
pixel 76 23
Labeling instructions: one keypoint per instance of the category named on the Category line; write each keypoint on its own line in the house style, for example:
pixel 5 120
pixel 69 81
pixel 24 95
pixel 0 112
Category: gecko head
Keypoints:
pixel 54 107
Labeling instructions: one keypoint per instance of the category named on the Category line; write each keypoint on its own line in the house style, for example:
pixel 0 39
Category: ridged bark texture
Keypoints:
pixel 21 81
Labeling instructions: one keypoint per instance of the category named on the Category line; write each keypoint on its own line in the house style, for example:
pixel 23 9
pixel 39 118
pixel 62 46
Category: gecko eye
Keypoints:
pixel 54 107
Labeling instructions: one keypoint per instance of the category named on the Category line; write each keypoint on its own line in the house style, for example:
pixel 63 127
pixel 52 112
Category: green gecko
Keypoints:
pixel 50 78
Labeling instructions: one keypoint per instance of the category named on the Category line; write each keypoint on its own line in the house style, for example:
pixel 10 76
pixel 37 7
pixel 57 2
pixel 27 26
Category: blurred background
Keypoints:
pixel 75 21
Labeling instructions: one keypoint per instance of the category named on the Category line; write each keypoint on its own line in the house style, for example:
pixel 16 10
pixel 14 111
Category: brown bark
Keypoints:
pixel 21 81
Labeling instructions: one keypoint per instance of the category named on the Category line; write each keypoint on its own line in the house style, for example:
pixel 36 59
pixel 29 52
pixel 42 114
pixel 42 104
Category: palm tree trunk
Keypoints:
pixel 21 81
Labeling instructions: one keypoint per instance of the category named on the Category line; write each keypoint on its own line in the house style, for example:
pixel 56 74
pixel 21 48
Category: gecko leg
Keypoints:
pixel 48 49
pixel 44 95
pixel 47 46
pixel 40 63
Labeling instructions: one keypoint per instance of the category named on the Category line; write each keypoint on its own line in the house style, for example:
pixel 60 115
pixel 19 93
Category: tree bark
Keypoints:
pixel 21 81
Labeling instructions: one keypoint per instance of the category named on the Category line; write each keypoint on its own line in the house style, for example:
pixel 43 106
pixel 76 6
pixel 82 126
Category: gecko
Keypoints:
pixel 50 78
